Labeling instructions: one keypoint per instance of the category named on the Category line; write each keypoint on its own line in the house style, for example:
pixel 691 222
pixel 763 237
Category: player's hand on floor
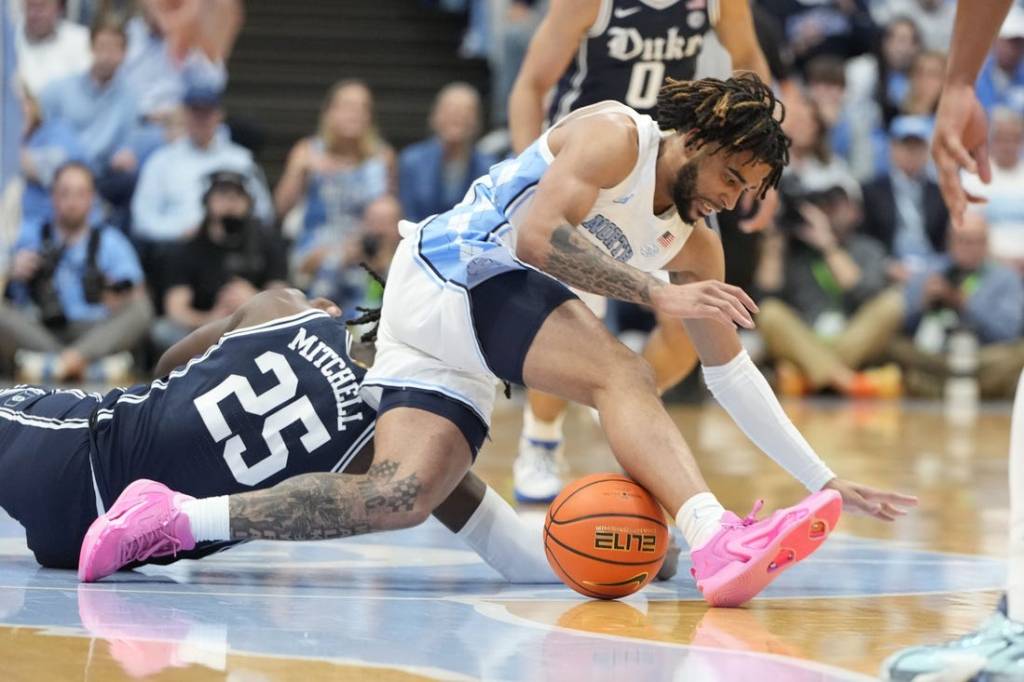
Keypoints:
pixel 862 499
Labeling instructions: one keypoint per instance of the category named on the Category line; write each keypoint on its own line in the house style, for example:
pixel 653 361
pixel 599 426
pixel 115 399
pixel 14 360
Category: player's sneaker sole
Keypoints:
pixel 739 582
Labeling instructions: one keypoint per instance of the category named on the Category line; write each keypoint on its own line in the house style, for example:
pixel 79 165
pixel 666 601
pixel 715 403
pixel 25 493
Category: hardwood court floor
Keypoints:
pixel 418 605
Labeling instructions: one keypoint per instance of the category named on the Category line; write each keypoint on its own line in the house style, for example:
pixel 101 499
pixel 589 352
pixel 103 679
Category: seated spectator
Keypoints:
pixel 341 277
pixel 98 105
pixel 79 306
pixel 230 260
pixel 854 131
pixel 827 313
pixel 903 209
pixel 925 87
pixel 158 80
pixel 1004 205
pixel 338 173
pixel 810 154
pixel 48 46
pixel 884 77
pixel 1001 81
pixel 48 144
pixel 167 207
pixel 433 175
pixel 934 18
pixel 964 290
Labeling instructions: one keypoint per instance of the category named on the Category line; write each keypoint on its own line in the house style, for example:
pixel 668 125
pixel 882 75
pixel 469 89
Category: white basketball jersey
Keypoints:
pixel 622 221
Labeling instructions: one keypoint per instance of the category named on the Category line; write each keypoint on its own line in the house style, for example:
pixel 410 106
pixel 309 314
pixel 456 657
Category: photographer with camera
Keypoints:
pixel 827 313
pixel 230 259
pixel 965 291
pixel 77 302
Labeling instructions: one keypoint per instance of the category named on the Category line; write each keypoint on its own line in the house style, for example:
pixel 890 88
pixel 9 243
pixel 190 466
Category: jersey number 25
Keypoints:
pixel 266 403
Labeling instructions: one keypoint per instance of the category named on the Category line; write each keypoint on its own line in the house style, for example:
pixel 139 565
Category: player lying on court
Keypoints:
pixel 259 397
pixel 482 291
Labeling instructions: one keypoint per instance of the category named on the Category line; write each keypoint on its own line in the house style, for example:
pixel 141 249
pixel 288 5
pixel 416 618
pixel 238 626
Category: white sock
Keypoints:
pixel 209 518
pixel 1015 586
pixel 509 545
pixel 536 429
pixel 699 519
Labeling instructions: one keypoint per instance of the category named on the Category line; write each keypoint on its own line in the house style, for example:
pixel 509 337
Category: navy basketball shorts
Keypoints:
pixel 46 481
pixel 507 312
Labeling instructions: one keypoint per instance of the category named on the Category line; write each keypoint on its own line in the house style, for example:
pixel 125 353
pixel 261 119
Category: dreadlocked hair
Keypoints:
pixel 369 315
pixel 736 115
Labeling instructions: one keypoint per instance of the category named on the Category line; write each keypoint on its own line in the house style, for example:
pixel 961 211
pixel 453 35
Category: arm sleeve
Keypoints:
pixel 742 390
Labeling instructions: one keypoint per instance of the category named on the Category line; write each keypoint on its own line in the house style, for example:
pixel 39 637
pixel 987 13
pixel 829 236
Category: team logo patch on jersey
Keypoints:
pixel 666 239
pixel 611 236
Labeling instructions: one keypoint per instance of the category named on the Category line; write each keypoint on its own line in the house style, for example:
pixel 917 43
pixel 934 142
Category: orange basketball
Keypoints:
pixel 605 536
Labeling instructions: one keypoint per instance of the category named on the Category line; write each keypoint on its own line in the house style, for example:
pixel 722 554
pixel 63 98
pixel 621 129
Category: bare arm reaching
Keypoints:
pixel 742 390
pixel 961 127
pixel 548 56
pixel 735 28
pixel 550 241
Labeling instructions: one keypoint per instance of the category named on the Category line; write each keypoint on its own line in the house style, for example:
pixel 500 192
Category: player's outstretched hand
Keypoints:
pixel 709 299
pixel 862 499
pixel 326 305
pixel 960 141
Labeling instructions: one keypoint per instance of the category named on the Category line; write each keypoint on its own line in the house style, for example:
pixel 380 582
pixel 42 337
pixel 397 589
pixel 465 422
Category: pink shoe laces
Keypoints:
pixel 750 518
pixel 149 544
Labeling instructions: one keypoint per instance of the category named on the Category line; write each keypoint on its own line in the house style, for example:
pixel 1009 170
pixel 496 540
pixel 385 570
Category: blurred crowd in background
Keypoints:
pixel 139 211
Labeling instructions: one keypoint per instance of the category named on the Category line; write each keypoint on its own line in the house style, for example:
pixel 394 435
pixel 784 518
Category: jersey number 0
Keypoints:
pixel 266 403
pixel 644 83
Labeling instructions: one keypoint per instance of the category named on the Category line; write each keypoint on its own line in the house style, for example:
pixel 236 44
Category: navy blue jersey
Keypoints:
pixel 264 404
pixel 631 48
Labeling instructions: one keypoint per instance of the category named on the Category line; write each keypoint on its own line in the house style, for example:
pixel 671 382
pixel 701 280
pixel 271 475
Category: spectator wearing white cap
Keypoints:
pixel 903 208
pixel 1001 81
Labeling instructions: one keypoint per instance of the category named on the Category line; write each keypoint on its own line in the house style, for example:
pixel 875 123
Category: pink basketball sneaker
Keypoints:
pixel 747 554
pixel 145 522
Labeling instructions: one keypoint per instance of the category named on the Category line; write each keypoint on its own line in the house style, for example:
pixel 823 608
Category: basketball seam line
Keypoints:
pixel 611 514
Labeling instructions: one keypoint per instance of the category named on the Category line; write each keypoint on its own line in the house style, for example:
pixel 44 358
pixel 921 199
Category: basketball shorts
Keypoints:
pixel 46 481
pixel 457 342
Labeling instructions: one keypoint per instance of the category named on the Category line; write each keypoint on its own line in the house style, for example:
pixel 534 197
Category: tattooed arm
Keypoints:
pixel 324 505
pixel 549 240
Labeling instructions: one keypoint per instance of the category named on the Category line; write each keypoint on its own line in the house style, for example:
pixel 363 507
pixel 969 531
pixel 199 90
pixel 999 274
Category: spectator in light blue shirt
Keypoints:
pixel 97 103
pixel 48 144
pixel 966 290
pixel 78 292
pixel 167 207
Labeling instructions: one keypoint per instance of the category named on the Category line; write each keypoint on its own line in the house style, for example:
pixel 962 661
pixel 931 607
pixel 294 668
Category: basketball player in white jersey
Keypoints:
pixel 481 293
pixel 995 651
pixel 586 51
